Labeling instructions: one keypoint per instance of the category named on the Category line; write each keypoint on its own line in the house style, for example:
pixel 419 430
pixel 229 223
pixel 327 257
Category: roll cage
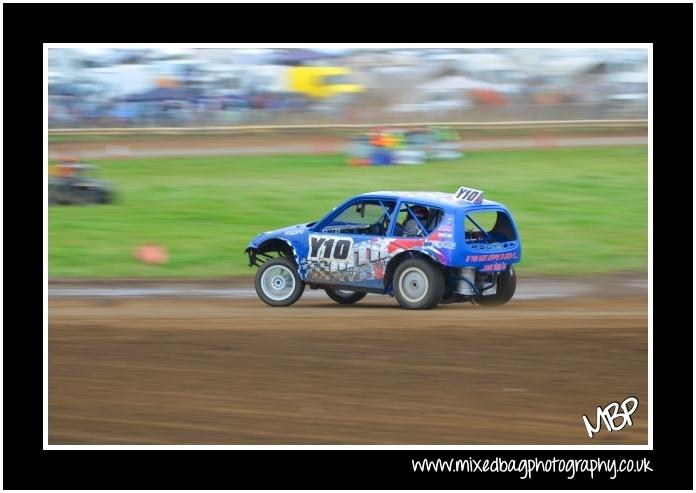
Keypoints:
pixel 400 205
pixel 503 229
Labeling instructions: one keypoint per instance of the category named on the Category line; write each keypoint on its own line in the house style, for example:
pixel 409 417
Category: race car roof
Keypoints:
pixel 441 199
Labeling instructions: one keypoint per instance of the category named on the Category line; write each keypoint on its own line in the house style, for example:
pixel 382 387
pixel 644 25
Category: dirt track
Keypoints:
pixel 221 371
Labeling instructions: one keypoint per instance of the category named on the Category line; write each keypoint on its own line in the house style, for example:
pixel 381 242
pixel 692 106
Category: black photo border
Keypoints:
pixel 668 27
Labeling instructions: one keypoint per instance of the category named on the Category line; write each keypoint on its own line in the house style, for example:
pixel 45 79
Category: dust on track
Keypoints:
pixel 226 371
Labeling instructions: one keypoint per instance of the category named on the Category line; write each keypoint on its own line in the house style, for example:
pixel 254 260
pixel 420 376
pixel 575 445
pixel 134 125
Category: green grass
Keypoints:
pixel 579 211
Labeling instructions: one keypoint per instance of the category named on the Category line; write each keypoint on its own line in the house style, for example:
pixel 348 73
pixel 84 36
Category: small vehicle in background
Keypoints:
pixel 72 182
pixel 384 146
pixel 445 144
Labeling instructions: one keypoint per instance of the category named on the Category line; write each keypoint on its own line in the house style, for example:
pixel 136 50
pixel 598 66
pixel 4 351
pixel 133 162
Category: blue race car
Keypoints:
pixel 423 248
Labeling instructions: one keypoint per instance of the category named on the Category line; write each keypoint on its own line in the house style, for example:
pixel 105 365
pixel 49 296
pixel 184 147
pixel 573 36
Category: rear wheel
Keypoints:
pixel 88 196
pixel 104 197
pixel 418 284
pixel 505 289
pixel 278 283
pixel 345 297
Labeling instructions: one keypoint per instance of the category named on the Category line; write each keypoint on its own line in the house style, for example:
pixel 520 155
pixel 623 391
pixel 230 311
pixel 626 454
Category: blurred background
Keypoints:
pixel 100 87
pixel 558 135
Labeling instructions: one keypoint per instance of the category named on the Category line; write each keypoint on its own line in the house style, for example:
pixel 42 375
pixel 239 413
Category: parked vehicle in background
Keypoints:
pixel 404 146
pixel 321 82
pixel 77 183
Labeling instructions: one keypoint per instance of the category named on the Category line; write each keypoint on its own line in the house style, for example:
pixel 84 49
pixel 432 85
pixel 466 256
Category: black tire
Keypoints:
pixel 278 283
pixel 418 284
pixel 86 196
pixel 505 289
pixel 104 197
pixel 345 297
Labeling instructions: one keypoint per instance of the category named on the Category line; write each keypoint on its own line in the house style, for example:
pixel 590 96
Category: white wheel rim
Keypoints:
pixel 278 282
pixel 413 284
pixel 343 292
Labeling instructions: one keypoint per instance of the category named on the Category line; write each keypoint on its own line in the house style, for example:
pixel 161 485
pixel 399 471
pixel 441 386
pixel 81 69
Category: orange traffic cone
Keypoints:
pixel 152 254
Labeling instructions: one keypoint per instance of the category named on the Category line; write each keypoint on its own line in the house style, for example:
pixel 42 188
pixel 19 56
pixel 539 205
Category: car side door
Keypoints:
pixel 349 248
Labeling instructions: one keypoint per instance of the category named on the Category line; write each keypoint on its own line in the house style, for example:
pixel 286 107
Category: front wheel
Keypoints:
pixel 105 197
pixel 505 289
pixel 87 196
pixel 418 284
pixel 345 297
pixel 278 283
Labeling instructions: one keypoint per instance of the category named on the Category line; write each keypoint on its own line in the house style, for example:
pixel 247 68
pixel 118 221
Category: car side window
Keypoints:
pixel 417 221
pixel 365 217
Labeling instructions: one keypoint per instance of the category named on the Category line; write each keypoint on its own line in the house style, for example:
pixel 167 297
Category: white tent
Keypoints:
pixel 455 83
pixel 637 77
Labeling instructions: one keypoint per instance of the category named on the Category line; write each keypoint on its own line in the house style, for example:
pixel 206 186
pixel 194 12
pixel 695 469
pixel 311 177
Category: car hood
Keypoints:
pixel 287 232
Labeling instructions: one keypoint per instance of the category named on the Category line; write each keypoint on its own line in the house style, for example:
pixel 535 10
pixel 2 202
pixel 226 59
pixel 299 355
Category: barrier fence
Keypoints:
pixel 458 125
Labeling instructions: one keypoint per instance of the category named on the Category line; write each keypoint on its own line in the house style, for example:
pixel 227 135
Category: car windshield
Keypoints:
pixel 362 217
